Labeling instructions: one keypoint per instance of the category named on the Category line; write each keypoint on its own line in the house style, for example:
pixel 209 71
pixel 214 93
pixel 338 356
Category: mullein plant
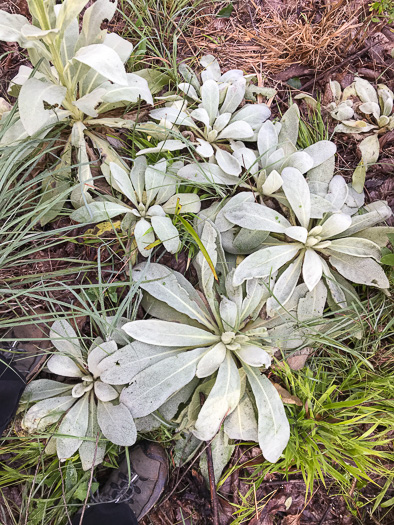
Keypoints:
pixel 328 235
pixel 207 110
pixel 361 109
pixel 152 192
pixel 77 78
pixel 216 335
pixel 216 340
pixel 86 407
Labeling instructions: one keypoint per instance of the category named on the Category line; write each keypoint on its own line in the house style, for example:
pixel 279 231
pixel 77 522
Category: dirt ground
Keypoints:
pixel 280 40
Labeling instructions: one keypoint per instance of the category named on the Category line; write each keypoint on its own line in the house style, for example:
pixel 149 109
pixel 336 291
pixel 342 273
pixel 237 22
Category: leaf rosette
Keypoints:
pixel 276 150
pixel 153 195
pixel 211 336
pixel 215 124
pixel 78 77
pixel 321 237
pixel 86 407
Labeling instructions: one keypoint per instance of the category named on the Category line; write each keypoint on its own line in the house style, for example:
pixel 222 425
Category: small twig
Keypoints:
pixel 34 480
pixel 255 501
pixel 251 19
pixel 90 480
pixel 323 518
pixel 191 464
pixel 211 475
pixel 334 68
pixel 64 495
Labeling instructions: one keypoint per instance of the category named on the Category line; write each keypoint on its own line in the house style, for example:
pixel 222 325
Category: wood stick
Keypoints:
pixel 334 68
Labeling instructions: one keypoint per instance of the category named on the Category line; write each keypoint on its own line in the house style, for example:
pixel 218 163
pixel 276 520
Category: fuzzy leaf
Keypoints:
pixel 98 211
pixel 120 367
pixel 365 90
pixel 222 400
pixel 64 366
pixel 285 286
pixel 377 212
pixel 173 115
pixel 64 339
pixel 211 361
pixel 105 392
pixel 252 114
pixel 227 162
pixel 155 179
pixel 43 389
pixel 358 247
pixel 234 96
pixel 221 222
pixel 312 269
pixel 378 234
pixel 221 455
pixel 189 202
pixel 123 182
pixel 255 216
pixel 46 412
pixel 229 314
pixel 288 134
pixel 89 450
pixel 369 148
pixel 204 148
pixel 210 99
pixel 312 305
pixel 97 354
pixel 11 26
pixel 211 68
pixel 105 61
pixel 321 151
pixel 75 424
pixel 360 270
pixel 69 10
pixel 265 262
pixel 201 115
pixel 267 141
pixel 206 263
pixel 144 237
pixel 153 386
pixel 189 90
pixel 163 333
pixel 92 20
pixel 206 173
pixel 297 193
pixel 163 284
pixel 241 423
pixel 273 183
pixel 335 225
pixel 167 233
pixel 298 233
pixel 273 427
pixel 32 97
pixel 254 356
pixel 116 423
pixel 236 131
pixel 298 160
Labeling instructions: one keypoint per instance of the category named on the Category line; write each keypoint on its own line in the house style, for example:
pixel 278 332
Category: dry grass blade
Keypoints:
pixel 280 34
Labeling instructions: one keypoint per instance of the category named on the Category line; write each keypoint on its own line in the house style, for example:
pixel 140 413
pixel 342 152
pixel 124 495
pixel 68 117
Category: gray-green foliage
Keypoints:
pixel 209 110
pixel 78 76
pixel 218 337
pixel 86 407
pixel 270 149
pixel 360 108
pixel 152 192
pixel 326 232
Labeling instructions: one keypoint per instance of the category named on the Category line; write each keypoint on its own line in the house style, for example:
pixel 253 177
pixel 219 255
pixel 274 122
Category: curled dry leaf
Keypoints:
pixel 287 397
